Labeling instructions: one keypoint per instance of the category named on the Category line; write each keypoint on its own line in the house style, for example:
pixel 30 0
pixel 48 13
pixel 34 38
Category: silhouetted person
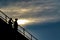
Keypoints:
pixel 10 22
pixel 15 25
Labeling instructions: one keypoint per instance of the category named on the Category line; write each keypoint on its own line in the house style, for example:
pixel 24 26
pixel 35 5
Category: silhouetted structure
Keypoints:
pixel 7 33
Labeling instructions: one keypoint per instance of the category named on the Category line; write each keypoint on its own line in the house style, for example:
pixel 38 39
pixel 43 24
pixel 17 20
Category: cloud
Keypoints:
pixel 37 10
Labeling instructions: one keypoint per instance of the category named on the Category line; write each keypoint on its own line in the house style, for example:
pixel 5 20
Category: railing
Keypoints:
pixel 21 30
pixel 24 32
pixel 4 16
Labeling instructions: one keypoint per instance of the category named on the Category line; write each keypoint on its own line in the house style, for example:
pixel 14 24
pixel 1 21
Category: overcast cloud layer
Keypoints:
pixel 37 10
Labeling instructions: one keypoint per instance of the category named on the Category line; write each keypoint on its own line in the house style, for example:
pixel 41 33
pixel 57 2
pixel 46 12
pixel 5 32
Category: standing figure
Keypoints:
pixel 15 28
pixel 10 22
pixel 15 25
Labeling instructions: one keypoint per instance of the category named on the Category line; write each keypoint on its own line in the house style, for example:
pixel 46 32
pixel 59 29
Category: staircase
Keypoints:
pixel 22 33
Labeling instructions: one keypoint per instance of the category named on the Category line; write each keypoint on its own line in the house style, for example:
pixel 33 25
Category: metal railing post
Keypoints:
pixel 6 18
pixel 24 31
pixel 31 37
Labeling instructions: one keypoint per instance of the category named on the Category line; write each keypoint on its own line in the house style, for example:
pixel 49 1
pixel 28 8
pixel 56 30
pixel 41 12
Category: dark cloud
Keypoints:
pixel 4 3
pixel 14 0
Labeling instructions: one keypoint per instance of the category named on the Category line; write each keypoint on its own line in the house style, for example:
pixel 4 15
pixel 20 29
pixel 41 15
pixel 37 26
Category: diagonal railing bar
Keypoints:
pixel 28 35
pixel 6 17
pixel 4 13
pixel 22 30
pixel 2 18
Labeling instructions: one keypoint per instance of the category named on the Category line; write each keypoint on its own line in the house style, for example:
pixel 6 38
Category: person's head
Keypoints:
pixel 16 19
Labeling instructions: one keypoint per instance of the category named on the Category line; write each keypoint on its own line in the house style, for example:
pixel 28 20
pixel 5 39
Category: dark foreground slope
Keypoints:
pixel 7 33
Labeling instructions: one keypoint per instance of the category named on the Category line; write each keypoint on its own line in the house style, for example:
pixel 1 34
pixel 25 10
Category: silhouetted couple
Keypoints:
pixel 15 24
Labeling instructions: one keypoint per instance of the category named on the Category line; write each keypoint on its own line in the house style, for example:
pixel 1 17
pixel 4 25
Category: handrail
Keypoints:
pixel 4 14
pixel 31 36
pixel 23 31
pixel 2 18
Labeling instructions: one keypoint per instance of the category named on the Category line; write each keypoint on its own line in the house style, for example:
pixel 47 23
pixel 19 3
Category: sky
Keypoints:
pixel 44 16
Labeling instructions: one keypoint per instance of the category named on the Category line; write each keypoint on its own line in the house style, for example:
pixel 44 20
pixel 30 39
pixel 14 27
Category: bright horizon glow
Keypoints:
pixel 24 10
pixel 23 21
